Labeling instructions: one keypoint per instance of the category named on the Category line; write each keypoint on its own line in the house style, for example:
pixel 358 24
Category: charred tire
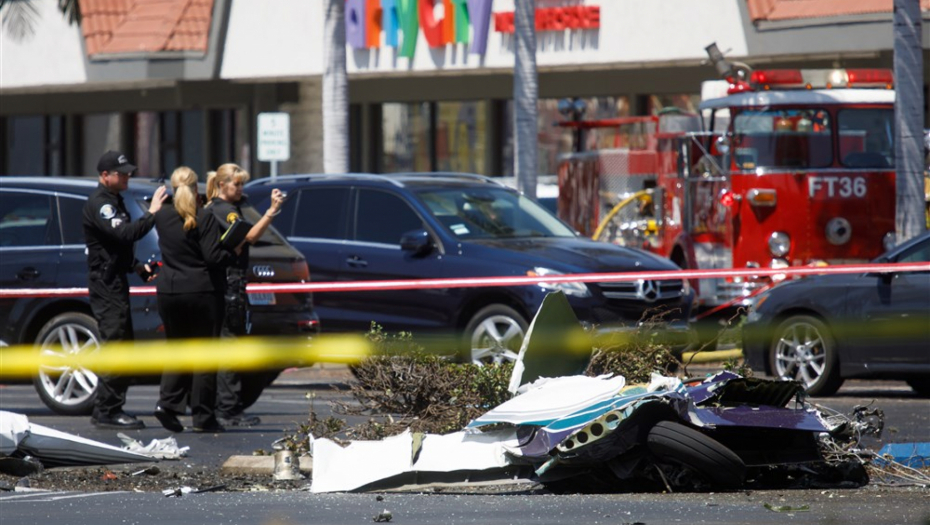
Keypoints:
pixel 494 335
pixel 706 456
pixel 67 390
pixel 803 349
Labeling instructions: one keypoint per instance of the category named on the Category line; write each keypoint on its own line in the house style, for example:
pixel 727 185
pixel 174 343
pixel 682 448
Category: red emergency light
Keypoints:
pixel 779 77
pixel 881 78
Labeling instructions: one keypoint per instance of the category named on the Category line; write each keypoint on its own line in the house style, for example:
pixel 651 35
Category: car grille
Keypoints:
pixel 642 290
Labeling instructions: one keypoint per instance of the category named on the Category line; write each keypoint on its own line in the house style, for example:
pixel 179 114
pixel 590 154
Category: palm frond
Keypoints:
pixel 18 18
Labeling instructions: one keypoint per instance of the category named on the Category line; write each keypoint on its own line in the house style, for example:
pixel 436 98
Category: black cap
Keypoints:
pixel 114 161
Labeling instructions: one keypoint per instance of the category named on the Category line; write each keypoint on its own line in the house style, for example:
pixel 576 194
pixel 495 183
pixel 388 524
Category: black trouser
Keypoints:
pixel 193 315
pixel 237 391
pixel 109 302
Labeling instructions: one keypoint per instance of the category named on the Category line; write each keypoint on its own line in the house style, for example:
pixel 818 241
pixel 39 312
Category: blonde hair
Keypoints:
pixel 223 175
pixel 184 183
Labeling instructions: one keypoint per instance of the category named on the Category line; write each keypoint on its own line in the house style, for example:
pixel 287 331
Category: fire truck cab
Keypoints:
pixel 788 168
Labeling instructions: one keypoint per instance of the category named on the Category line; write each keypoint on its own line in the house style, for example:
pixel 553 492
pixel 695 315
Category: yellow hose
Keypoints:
pixel 616 209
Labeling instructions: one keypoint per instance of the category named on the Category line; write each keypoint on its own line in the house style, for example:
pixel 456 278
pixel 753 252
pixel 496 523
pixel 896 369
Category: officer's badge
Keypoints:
pixel 232 217
pixel 108 211
pixel 114 223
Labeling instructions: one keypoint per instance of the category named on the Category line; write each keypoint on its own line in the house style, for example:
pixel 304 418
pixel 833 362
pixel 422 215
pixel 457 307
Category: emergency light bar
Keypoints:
pixel 768 79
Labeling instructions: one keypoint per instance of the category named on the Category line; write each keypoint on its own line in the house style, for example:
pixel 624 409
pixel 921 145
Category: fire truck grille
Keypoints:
pixel 643 290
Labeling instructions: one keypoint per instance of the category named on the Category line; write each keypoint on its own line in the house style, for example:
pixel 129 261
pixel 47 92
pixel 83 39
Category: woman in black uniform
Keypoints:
pixel 237 391
pixel 189 300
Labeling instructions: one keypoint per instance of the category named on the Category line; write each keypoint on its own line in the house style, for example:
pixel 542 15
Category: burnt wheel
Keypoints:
pixel 701 453
pixel 67 390
pixel 803 349
pixel 494 335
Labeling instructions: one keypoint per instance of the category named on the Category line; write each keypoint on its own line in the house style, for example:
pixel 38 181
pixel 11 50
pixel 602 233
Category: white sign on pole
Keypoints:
pixel 274 137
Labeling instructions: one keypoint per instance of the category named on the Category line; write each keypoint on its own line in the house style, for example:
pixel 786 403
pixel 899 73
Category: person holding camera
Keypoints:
pixel 237 391
pixel 190 300
pixel 110 234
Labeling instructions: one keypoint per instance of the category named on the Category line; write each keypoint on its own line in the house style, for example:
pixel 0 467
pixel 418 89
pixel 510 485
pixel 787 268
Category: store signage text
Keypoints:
pixel 555 19
pixel 366 20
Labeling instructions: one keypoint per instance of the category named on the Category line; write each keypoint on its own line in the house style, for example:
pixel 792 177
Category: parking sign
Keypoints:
pixel 274 137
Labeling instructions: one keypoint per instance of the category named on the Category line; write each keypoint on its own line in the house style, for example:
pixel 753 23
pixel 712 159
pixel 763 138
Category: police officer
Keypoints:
pixel 110 234
pixel 237 391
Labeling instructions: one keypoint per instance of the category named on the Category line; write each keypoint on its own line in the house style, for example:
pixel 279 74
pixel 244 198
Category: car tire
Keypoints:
pixel 921 385
pixel 701 453
pixel 68 391
pixel 494 335
pixel 803 349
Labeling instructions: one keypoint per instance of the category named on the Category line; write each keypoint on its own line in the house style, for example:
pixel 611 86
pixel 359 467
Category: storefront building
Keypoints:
pixel 180 82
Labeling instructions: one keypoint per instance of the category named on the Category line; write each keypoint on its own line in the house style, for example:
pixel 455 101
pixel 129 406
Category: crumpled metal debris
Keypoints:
pixel 166 448
pixel 383 516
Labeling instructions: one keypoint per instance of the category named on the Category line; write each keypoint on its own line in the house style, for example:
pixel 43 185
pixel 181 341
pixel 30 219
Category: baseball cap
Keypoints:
pixel 114 161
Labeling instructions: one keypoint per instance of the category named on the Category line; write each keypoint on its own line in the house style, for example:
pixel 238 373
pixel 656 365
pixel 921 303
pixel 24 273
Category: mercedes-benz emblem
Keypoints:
pixel 647 289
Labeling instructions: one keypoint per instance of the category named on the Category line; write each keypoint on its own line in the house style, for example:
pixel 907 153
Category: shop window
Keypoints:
pixel 35 145
pixel 461 128
pixel 407 137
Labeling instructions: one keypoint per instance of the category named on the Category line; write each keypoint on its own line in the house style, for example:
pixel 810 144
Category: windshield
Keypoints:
pixel 782 138
pixel 866 137
pixel 491 213
pixel 270 236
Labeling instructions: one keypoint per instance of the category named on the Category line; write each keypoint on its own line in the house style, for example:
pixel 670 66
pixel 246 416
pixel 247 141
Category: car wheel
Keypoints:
pixel 804 350
pixel 921 385
pixel 67 390
pixel 494 335
pixel 703 454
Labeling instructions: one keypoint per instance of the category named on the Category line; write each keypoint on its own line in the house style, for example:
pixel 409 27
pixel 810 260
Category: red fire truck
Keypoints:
pixel 790 167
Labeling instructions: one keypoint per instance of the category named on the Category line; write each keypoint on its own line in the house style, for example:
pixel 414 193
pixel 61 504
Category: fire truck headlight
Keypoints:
pixel 779 263
pixel 578 289
pixel 888 241
pixel 779 244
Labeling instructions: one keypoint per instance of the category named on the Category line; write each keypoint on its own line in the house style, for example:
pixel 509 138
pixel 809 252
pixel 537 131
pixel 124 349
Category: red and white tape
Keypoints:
pixel 474 282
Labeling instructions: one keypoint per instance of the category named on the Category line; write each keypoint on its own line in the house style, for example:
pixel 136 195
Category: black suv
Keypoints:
pixel 42 246
pixel 357 227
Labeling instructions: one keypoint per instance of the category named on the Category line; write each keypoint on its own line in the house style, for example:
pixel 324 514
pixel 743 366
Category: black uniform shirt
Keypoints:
pixel 189 256
pixel 110 234
pixel 225 213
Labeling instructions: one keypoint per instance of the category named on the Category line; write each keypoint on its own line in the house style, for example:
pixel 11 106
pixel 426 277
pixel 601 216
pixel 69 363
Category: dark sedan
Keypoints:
pixel 824 329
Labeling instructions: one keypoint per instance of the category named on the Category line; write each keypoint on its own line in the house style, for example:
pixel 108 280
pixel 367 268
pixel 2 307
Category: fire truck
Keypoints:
pixel 789 167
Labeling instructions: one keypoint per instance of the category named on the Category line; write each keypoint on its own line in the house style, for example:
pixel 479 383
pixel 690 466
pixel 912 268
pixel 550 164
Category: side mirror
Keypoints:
pixel 417 242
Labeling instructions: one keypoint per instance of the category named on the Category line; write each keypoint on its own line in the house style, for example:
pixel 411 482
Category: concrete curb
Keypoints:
pixel 716 356
pixel 260 465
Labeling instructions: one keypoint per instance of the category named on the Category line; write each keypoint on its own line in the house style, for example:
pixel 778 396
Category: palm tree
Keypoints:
pixel 20 16
pixel 525 95
pixel 909 107
pixel 335 90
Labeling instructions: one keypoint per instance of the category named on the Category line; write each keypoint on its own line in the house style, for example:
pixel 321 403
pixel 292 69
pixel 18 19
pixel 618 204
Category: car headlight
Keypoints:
pixel 754 304
pixel 779 244
pixel 578 289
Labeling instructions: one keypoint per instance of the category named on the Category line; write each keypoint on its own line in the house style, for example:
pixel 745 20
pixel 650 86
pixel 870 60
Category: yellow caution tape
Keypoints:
pixel 187 355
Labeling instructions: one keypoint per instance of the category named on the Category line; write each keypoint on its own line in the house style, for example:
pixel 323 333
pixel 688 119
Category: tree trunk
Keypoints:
pixel 910 219
pixel 335 90
pixel 525 95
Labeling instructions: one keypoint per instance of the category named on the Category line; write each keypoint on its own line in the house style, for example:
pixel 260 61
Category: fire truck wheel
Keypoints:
pixel 803 349
pixel 494 335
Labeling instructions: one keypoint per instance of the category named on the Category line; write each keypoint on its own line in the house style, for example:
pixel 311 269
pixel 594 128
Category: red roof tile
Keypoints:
pixel 150 26
pixel 772 10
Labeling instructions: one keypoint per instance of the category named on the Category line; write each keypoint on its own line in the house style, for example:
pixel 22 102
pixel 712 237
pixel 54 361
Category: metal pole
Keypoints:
pixel 274 170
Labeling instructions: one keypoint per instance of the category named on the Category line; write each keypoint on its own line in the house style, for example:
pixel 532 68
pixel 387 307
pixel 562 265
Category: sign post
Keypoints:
pixel 274 139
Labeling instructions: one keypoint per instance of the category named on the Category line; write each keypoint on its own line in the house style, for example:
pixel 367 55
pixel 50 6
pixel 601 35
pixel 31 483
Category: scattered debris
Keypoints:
pixel 109 475
pixel 787 508
pixel 177 492
pixel 383 516
pixel 166 448
pixel 19 438
pixel 913 455
pixel 286 466
pixel 151 471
